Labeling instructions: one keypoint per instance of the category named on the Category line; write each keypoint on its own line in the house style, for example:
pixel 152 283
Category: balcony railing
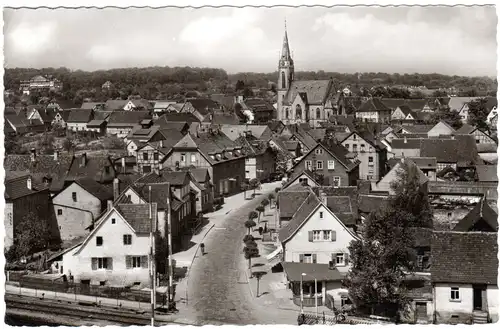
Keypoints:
pixel 309 301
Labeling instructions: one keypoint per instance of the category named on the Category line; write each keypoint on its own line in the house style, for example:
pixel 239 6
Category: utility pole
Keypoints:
pixel 152 261
pixel 170 266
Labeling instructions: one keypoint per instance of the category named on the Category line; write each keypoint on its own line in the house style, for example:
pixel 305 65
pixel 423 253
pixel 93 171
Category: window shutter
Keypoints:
pixel 334 235
pixel 301 258
pixel 310 236
pixel 110 263
pixel 314 258
pixel 128 261
pixel 144 262
pixel 124 239
pixel 346 258
pixel 94 264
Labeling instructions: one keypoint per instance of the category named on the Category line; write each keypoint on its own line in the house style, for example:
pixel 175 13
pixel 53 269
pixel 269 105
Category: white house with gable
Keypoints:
pixel 315 243
pixel 116 252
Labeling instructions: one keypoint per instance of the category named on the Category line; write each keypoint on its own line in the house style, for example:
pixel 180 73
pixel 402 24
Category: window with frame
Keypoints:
pixel 127 239
pixel 370 159
pixel 101 263
pixel 336 181
pixel 331 164
pixel 73 195
pixel 354 147
pixel 59 212
pixel 319 164
pixel 193 158
pixel 145 156
pixel 156 156
pixel 98 241
pixel 455 294
pixel 346 146
pixel 339 259
pixel 183 157
pixel 319 151
pixel 308 164
pixel 136 261
pixel 308 258
pixel 327 235
pixel 113 220
pixel 321 215
pixel 317 235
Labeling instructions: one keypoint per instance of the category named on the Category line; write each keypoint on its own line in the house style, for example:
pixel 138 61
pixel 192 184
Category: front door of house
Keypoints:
pixel 421 312
pixel 478 298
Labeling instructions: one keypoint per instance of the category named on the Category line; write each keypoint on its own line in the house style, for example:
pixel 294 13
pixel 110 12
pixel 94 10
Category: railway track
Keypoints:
pixel 72 309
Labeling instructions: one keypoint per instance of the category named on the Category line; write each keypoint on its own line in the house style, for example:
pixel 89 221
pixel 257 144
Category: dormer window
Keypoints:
pixel 212 157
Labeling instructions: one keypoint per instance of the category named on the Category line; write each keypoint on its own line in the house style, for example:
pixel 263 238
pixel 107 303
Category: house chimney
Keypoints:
pixel 83 160
pixel 322 197
pixel 56 155
pixel 29 183
pixel 110 204
pixel 123 165
pixel 116 189
pixel 33 154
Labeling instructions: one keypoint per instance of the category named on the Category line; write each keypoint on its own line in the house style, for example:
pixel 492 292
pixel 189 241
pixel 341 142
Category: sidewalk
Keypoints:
pixel 187 257
pixel 274 297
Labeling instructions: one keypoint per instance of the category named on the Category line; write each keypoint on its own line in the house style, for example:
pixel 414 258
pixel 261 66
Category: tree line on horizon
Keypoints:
pixel 167 82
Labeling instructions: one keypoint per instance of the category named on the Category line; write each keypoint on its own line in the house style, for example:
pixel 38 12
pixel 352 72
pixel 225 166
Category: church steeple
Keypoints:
pixel 285 51
pixel 285 77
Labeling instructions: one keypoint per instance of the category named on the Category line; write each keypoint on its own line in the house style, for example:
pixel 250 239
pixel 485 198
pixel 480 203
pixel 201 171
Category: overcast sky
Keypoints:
pixel 448 40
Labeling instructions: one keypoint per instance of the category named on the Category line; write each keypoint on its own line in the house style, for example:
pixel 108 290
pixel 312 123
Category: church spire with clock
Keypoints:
pixel 285 71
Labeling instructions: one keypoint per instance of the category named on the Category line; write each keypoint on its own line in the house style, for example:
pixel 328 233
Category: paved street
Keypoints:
pixel 217 288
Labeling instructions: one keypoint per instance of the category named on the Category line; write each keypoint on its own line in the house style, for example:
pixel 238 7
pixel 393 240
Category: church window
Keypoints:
pixel 298 112
pixel 318 113
pixel 283 81
pixel 287 114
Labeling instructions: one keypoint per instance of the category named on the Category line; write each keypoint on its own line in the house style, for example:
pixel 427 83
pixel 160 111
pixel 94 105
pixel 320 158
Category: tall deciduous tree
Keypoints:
pixel 478 113
pixel 33 235
pixel 385 254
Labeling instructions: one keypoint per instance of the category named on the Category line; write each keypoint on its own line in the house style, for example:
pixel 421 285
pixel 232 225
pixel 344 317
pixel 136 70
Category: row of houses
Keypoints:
pixel 316 223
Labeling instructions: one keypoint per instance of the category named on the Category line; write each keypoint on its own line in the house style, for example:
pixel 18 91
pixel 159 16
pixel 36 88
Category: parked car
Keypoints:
pixel 276 176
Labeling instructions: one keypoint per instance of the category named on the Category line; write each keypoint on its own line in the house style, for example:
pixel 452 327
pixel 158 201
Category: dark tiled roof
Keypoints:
pixel 321 272
pixel 96 123
pixel 203 105
pixel 341 206
pixel 251 145
pixel 211 143
pixel 43 164
pixel 317 134
pixel 393 103
pixel 317 91
pixel 290 201
pixel 127 118
pixel 258 105
pixel 466 129
pixel 18 187
pixel 461 149
pixel 94 167
pixel 165 176
pixel 483 211
pixel 487 173
pixel 424 162
pixel 422 236
pixel 177 117
pixel 226 101
pixel 459 257
pixel 115 104
pixel 79 116
pixel 418 129
pixel 200 174
pixel 373 105
pixel 171 125
pixel 225 119
pixel 100 191
pixel 137 215
pixel 410 143
pixel 276 126
pixel 340 153
pixel 370 203
pixel 300 216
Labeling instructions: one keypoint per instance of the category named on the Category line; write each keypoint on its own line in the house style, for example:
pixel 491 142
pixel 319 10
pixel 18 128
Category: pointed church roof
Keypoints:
pixel 285 51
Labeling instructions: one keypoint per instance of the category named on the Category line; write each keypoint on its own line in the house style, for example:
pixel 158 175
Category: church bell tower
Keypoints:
pixel 285 74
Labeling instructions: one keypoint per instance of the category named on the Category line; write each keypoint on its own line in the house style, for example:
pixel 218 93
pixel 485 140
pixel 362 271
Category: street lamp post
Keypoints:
pixel 301 294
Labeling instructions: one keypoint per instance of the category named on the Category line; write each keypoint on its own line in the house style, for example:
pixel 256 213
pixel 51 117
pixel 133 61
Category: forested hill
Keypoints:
pixel 150 82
